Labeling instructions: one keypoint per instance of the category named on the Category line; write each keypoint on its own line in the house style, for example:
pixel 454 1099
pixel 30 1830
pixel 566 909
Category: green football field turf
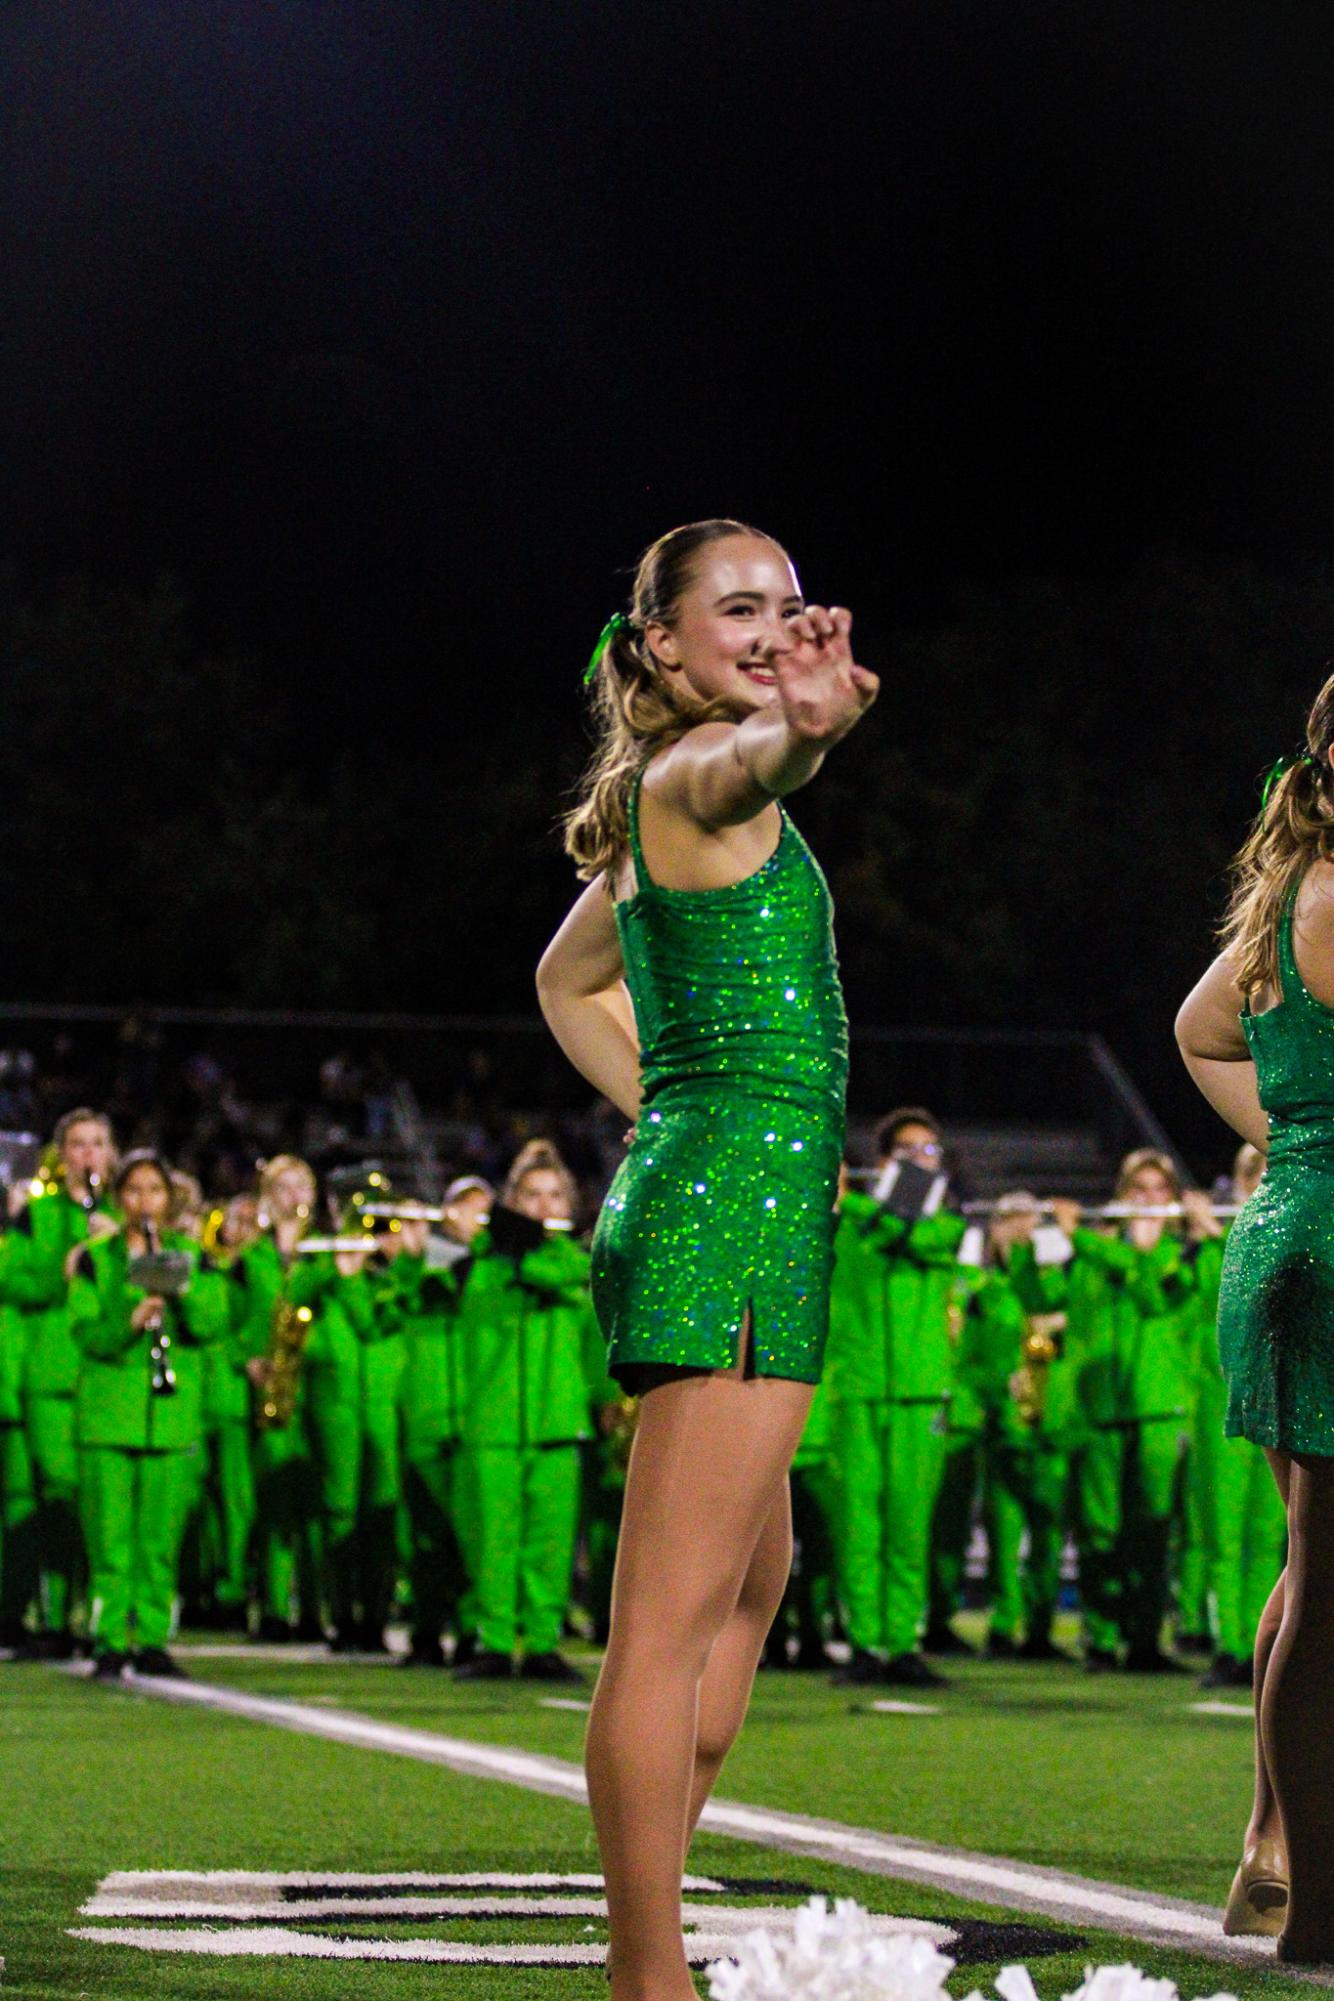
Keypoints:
pixel 1111 1778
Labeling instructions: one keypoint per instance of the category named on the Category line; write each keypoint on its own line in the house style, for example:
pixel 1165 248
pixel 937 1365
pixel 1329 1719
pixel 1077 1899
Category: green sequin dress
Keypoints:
pixel 726 1197
pixel 1276 1306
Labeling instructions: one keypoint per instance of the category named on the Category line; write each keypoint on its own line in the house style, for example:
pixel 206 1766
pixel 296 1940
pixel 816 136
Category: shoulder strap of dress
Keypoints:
pixel 632 817
pixel 1290 980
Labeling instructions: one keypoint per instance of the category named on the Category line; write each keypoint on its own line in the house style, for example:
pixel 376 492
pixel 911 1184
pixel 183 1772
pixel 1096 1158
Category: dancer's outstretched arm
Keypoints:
pixel 580 985
pixel 1215 1051
pixel 721 774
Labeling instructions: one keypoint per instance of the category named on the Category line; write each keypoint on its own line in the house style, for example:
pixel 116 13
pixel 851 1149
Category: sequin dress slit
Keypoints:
pixel 1276 1306
pixel 725 1199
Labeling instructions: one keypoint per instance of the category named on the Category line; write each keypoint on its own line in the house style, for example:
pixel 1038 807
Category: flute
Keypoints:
pixel 419 1213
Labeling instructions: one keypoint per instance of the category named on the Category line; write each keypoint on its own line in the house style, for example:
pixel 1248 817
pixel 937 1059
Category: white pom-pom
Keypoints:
pixel 835 1953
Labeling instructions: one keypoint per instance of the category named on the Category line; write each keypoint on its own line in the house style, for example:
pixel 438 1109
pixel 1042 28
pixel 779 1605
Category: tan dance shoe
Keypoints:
pixel 1258 1905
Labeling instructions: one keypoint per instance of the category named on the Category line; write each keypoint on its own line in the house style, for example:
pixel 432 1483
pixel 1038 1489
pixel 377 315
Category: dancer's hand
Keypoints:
pixel 822 689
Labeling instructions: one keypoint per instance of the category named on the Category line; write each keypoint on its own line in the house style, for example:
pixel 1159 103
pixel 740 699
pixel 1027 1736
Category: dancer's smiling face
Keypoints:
pixel 729 624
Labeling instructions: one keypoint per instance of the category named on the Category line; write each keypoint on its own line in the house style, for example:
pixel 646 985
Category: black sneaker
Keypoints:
pixel 309 1633
pixel 273 1631
pixel 1229 1671
pixel 424 1653
pixel 1152 1660
pixel 465 1650
pixel 861 1668
pixel 109 1666
pixel 548 1667
pixel 485 1666
pixel 1100 1660
pixel 371 1640
pixel 157 1661
pixel 944 1640
pixel 1041 1647
pixel 911 1671
pixel 811 1654
pixel 1000 1647
pixel 1194 1643
pixel 340 1642
pixel 47 1646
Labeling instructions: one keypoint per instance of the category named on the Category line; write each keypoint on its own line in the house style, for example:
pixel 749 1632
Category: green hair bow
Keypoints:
pixel 618 622
pixel 1280 766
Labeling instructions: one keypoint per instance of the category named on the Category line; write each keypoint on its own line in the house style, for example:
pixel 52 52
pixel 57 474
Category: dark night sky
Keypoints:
pixel 395 330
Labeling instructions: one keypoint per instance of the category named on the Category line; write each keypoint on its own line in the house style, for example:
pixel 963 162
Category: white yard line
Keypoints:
pixel 1077 1901
pixel 890 1708
pixel 564 1702
pixel 1223 1709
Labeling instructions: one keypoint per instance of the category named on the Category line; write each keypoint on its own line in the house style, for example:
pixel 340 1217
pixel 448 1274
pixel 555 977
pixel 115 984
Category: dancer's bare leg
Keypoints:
pixel 1294 1715
pixel 724 1692
pixel 1264 1824
pixel 709 1463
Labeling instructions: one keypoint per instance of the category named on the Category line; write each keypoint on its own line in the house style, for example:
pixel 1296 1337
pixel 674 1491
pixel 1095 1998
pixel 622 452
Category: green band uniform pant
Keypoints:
pixel 890 1457
pixel 1246 1532
pixel 961 1475
pixel 522 1513
pixel 285 1505
pixel 431 1490
pixel 18 1529
pixel 134 1505
pixel 55 1464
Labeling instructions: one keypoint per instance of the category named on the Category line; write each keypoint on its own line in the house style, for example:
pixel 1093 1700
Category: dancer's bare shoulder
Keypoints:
pixel 686 788
pixel 1313 931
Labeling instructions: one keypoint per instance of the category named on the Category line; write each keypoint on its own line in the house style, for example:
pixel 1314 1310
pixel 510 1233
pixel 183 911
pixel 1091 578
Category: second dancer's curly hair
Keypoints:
pixel 1294 827
pixel 633 700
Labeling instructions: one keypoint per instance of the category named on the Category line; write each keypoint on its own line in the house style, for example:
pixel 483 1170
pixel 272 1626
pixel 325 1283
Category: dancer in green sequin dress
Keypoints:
pixel 726 1198
pixel 694 985
pixel 1257 1035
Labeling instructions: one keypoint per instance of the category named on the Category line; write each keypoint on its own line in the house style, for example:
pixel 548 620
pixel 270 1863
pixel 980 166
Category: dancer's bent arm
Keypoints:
pixel 580 985
pixel 1215 1052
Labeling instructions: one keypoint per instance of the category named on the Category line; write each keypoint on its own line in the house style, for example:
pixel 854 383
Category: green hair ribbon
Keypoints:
pixel 618 622
pixel 1278 769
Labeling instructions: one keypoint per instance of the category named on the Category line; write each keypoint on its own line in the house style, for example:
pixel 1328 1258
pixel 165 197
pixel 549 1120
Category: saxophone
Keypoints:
pixel 1028 1384
pixel 289 1331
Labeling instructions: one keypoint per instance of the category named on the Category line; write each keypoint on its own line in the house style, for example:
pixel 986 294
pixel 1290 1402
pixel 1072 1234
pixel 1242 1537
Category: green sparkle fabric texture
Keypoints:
pixel 1276 1304
pixel 726 1197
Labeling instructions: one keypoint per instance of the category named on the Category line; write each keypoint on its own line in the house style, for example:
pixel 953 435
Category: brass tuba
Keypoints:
pixel 289 1331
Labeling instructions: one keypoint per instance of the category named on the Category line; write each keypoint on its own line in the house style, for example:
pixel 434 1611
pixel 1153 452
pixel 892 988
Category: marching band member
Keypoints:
pixel 981 1443
pixel 137 1414
pixel 530 1353
pixel 227 1501
pixel 1036 1433
pixel 1244 1523
pixel 273 1294
pixel 36 1260
pixel 18 1494
pixel 425 1302
pixel 891 1367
